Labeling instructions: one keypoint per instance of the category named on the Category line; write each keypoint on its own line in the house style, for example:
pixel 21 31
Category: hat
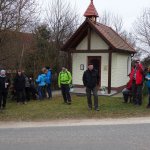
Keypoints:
pixel 3 72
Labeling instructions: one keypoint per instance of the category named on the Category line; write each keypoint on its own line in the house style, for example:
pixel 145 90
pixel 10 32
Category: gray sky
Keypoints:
pixel 129 10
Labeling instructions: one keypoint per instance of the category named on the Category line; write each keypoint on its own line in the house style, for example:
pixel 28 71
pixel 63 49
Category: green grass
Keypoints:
pixel 110 107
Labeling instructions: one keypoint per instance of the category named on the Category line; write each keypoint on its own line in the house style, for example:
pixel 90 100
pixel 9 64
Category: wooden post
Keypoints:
pixel 89 38
pixel 109 71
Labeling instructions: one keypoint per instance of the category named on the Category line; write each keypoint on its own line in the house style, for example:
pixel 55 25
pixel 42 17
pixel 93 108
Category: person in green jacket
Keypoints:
pixel 64 80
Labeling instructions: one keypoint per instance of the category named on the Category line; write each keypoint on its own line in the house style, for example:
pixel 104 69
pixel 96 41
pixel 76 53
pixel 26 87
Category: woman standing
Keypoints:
pixel 19 85
pixel 4 84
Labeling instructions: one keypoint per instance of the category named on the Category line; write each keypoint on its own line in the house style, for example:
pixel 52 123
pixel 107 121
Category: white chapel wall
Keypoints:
pixel 97 43
pixel 81 58
pixel 119 69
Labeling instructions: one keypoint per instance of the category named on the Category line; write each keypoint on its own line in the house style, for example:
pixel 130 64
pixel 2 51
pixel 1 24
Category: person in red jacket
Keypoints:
pixel 136 76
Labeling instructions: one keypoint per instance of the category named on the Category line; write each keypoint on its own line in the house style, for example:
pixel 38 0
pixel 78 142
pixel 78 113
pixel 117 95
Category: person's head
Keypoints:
pixel 64 69
pixel 137 61
pixel 90 66
pixel 3 73
pixel 19 72
pixel 44 70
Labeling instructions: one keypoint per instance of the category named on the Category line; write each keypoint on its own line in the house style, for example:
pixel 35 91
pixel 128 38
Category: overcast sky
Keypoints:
pixel 129 10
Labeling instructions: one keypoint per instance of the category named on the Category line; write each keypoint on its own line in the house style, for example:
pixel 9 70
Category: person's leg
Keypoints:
pixel 134 91
pixel 1 98
pixel 67 91
pixel 49 90
pixel 89 98
pixel 63 90
pixel 139 94
pixel 40 92
pixel 22 96
pixel 27 93
pixel 125 95
pixel 18 96
pixel 43 92
pixel 149 97
pixel 4 99
pixel 95 98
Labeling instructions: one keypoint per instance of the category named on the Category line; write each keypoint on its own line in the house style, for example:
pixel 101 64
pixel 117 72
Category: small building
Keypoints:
pixel 99 44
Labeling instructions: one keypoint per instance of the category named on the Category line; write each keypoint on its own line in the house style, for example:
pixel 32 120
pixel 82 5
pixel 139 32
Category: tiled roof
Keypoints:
pixel 91 11
pixel 112 37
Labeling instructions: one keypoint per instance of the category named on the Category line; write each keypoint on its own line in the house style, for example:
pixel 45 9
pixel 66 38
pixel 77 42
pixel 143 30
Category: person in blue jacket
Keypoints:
pixel 148 85
pixel 41 80
pixel 48 82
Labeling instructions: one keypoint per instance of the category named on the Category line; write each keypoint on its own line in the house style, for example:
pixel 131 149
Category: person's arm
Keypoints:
pixel 59 81
pixel 84 79
pixel 98 78
pixel 38 79
pixel 140 67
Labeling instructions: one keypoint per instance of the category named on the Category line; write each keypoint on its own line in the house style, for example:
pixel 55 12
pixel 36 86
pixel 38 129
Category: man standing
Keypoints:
pixel 4 84
pixel 136 76
pixel 64 80
pixel 91 82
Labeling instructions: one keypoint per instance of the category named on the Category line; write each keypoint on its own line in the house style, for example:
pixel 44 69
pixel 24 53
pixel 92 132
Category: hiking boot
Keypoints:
pixel 96 109
pixel 148 106
pixel 89 108
pixel 69 103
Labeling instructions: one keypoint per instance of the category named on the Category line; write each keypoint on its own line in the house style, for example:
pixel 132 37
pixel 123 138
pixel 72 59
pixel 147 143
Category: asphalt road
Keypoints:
pixel 88 137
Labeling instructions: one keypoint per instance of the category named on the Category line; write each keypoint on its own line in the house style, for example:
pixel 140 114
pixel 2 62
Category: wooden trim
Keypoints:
pixel 89 38
pixel 89 51
pixel 123 51
pixel 109 71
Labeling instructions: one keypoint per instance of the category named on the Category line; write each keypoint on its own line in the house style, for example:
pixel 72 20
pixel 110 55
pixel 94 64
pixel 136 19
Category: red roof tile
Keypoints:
pixel 91 11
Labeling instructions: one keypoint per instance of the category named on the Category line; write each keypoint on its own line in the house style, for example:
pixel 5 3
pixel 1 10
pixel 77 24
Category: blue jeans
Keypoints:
pixel 49 91
pixel 41 92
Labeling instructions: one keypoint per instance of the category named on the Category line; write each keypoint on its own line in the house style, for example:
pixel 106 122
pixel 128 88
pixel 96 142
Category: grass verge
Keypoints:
pixel 46 110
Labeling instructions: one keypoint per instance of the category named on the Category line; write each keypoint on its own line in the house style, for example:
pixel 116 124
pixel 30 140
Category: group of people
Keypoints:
pixel 134 87
pixel 24 86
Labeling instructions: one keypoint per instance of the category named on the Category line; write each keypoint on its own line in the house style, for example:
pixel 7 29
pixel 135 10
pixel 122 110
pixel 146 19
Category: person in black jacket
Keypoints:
pixel 91 82
pixel 4 84
pixel 19 85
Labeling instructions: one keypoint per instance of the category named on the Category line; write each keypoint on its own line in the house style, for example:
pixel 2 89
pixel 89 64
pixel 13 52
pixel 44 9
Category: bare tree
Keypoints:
pixel 62 20
pixel 17 14
pixel 116 23
pixel 142 31
pixel 112 20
